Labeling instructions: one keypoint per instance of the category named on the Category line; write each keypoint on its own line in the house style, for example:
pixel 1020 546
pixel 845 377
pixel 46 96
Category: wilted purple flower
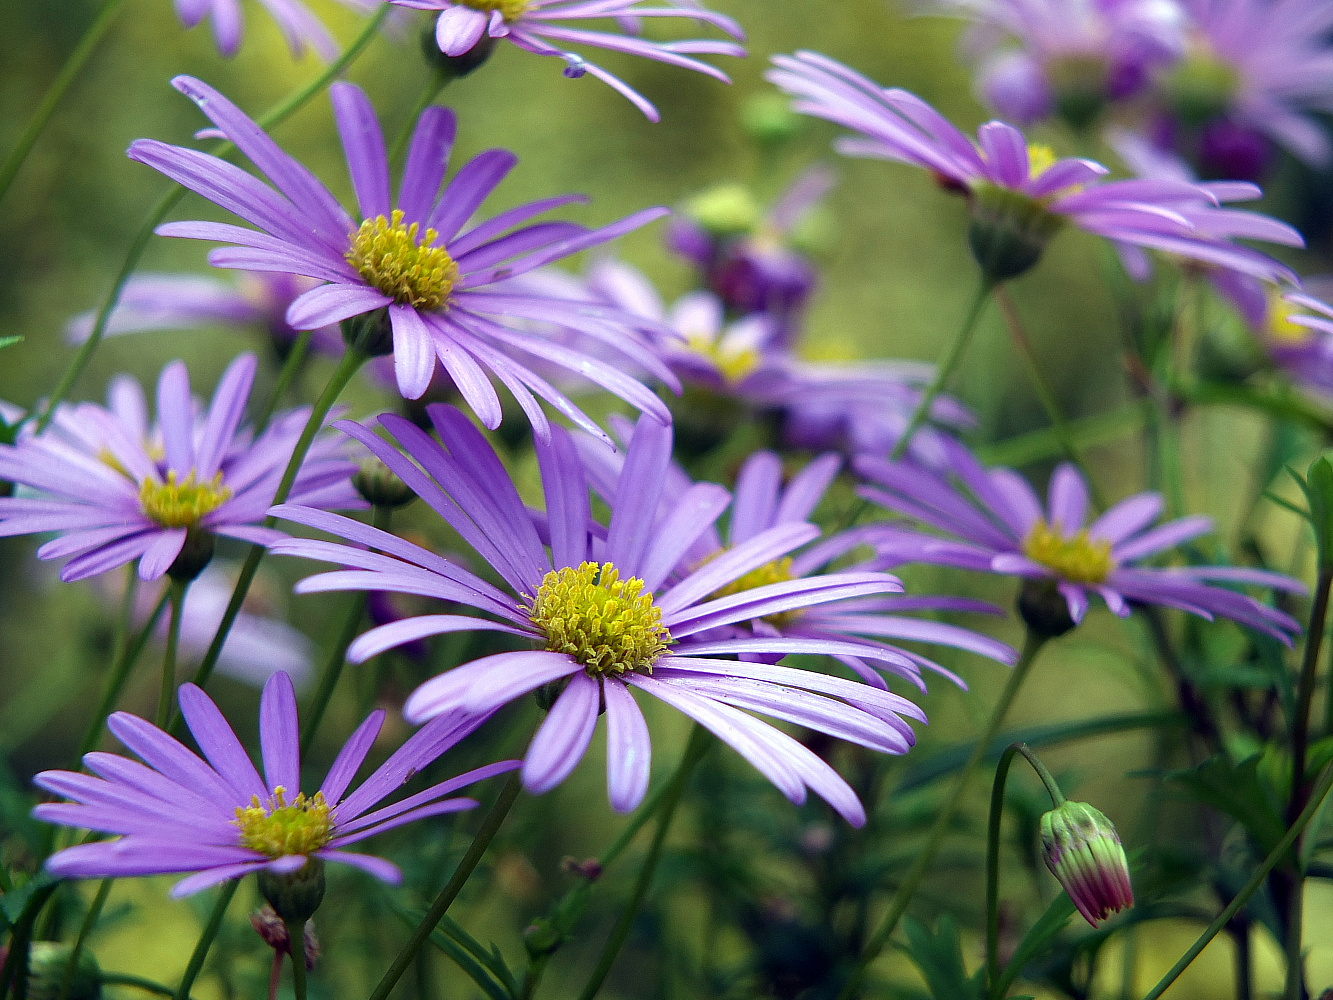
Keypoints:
pixel 993 522
pixel 443 285
pixel 542 27
pixel 762 503
pixel 189 302
pixel 294 18
pixel 1070 57
pixel 116 489
pixel 604 612
pixel 220 819
pixel 1019 196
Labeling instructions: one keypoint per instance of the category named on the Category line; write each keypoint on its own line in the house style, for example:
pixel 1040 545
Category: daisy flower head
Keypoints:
pixel 1297 330
pixel 761 502
pixel 294 18
pixel 545 27
pixel 116 488
pixel 990 520
pixel 218 818
pixel 412 276
pixel 1019 196
pixel 1066 57
pixel 604 613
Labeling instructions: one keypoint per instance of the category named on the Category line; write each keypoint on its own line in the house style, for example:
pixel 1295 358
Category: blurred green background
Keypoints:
pixel 896 279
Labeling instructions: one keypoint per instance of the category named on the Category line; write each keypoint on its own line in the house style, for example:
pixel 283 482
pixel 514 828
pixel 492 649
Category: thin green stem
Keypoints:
pixel 296 937
pixel 993 850
pixel 291 367
pixel 274 116
pixel 138 982
pixel 489 827
pixel 352 361
pixel 439 79
pixel 166 693
pixel 56 92
pixel 205 942
pixel 945 370
pixel 694 752
pixel 940 829
pixel 1249 889
pixel 120 672
pixel 89 921
pixel 15 967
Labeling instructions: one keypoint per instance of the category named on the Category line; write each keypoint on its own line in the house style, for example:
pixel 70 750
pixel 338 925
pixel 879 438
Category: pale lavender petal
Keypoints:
pixel 563 737
pixel 628 748
pixel 385 871
pixel 279 735
pixel 1163 537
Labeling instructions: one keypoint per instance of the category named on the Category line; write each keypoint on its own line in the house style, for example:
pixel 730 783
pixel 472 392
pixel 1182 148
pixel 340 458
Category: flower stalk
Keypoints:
pixel 176 593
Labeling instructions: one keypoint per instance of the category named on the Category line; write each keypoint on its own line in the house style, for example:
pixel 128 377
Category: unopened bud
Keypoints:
pixel 726 210
pixel 1082 849
pixel 589 868
pixel 379 487
pixel 370 333
pixel 48 966
pixel 296 895
pixel 269 926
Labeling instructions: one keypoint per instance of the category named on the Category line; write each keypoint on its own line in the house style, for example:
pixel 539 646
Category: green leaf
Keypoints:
pixel 1274 498
pixel 461 953
pixel 939 956
pixel 1238 791
pixel 1319 493
pixel 9 341
pixel 1035 941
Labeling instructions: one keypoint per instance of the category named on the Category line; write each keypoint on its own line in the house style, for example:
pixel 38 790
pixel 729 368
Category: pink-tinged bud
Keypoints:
pixel 1083 851
pixel 269 926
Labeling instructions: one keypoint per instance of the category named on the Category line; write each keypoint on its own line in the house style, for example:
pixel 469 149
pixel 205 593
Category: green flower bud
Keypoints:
pixel 379 487
pixel 370 332
pixel 726 210
pixel 1083 851
pixel 769 120
pixel 48 964
pixel 1044 609
pixel 297 895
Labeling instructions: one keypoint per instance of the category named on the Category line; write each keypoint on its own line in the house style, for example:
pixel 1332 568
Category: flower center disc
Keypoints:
pixel 280 829
pixel 605 623
pixel 1278 325
pixel 182 503
pixel 733 364
pixel 1079 559
pixel 777 571
pixel 510 10
pixel 389 256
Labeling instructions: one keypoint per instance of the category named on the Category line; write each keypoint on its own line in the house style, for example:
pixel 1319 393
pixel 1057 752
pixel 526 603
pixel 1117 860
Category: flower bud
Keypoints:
pixel 370 333
pixel 48 964
pixel 269 926
pixel 1009 231
pixel 727 210
pixel 769 120
pixel 379 487
pixel 1083 851
pixel 294 896
pixel 454 67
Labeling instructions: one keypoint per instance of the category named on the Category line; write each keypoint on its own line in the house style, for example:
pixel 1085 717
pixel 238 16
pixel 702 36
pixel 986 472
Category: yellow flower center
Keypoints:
pixel 605 623
pixel 1079 559
pixel 278 828
pixel 777 571
pixel 1278 326
pixel 388 255
pixel 182 503
pixel 734 363
pixel 510 10
pixel 1040 159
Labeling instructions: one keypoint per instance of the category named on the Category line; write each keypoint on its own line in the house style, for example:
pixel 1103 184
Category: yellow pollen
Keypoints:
pixel 278 828
pixel 605 623
pixel 733 364
pixel 777 571
pixel 388 255
pixel 1040 159
pixel 182 503
pixel 1079 559
pixel 1278 326
pixel 510 10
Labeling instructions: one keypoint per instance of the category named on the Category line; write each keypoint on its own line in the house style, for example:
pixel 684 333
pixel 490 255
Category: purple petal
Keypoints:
pixel 279 735
pixel 351 757
pixel 363 146
pixel 628 748
pixel 564 735
pixel 219 743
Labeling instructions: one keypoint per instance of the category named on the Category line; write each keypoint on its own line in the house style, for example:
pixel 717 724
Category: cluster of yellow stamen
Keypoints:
pixel 510 10
pixel 607 624
pixel 777 571
pixel 1078 558
pixel 734 364
pixel 402 263
pixel 278 828
pixel 1278 326
pixel 182 503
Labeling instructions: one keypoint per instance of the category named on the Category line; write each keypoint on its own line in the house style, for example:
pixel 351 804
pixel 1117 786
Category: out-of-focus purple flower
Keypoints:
pixel 1298 332
pixel 116 488
pixel 1253 71
pixel 190 302
pixel 221 820
pixel 298 23
pixel 746 257
pixel 1019 196
pixel 761 502
pixel 992 521
pixel 441 283
pixel 605 612
pixel 544 27
pixel 1071 57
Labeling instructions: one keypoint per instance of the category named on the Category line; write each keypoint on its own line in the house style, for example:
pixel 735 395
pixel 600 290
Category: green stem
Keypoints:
pixel 946 368
pixel 139 982
pixel 51 99
pixel 993 850
pixel 489 827
pixel 205 942
pixel 694 751
pixel 85 928
pixel 274 116
pixel 898 905
pixel 439 79
pixel 120 672
pixel 15 967
pixel 1250 888
pixel 165 695
pixel 290 368
pixel 296 949
pixel 352 361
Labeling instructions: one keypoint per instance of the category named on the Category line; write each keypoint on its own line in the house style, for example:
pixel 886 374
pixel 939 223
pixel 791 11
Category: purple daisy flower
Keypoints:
pixel 443 284
pixel 993 522
pixel 1071 57
pixel 219 819
pixel 298 23
pixel 193 302
pixel 761 502
pixel 116 489
pixel 1298 332
pixel 1019 196
pixel 541 27
pixel 604 613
